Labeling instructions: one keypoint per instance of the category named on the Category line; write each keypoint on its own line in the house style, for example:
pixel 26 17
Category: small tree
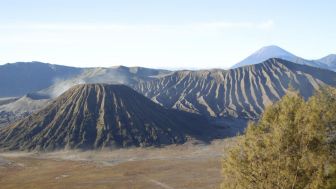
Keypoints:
pixel 292 146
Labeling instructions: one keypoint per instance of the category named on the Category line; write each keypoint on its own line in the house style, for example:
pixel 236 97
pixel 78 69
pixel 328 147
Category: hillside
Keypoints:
pixel 18 79
pixel 241 92
pixel 13 109
pixel 112 75
pixel 273 51
pixel 96 116
pixel 21 78
pixel 329 60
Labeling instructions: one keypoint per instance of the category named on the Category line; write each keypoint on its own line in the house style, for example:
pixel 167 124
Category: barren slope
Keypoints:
pixel 242 92
pixel 95 116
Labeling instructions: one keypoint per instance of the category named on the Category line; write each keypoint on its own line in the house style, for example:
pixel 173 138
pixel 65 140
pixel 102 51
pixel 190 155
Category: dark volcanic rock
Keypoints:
pixel 95 116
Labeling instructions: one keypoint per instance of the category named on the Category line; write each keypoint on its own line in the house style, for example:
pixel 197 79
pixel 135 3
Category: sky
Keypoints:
pixel 173 34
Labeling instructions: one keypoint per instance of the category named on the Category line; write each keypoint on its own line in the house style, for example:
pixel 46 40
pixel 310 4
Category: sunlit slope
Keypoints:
pixel 243 91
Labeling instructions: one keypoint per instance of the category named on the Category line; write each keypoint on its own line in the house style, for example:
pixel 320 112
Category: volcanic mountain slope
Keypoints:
pixel 240 92
pixel 95 116
pixel 12 109
pixel 21 78
pixel 18 79
pixel 329 60
pixel 112 75
pixel 273 51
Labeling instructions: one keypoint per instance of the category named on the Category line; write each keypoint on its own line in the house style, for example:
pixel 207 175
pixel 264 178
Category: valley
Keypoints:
pixel 183 166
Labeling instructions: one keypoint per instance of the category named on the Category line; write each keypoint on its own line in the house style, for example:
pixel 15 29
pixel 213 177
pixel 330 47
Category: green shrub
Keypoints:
pixel 291 146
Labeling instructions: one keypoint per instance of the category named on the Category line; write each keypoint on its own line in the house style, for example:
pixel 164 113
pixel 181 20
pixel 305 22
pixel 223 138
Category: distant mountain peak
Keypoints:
pixel 330 55
pixel 266 53
pixel 329 59
pixel 271 50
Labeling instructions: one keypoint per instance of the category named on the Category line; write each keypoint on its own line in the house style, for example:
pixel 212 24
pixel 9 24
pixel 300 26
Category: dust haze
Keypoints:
pixel 92 75
pixel 190 150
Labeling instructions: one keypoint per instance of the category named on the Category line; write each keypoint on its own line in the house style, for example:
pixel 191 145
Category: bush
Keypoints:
pixel 291 146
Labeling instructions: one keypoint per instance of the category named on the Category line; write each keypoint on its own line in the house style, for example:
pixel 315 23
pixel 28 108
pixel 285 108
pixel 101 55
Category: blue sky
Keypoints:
pixel 162 34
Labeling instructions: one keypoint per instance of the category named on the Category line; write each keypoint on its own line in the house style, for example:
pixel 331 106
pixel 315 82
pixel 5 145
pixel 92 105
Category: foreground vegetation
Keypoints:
pixel 292 146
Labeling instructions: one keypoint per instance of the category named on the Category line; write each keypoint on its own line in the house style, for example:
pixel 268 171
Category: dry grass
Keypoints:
pixel 186 166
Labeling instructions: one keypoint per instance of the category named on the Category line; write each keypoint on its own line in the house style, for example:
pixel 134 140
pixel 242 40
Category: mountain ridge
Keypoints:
pixel 329 59
pixel 212 93
pixel 274 51
pixel 239 92
pixel 18 79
